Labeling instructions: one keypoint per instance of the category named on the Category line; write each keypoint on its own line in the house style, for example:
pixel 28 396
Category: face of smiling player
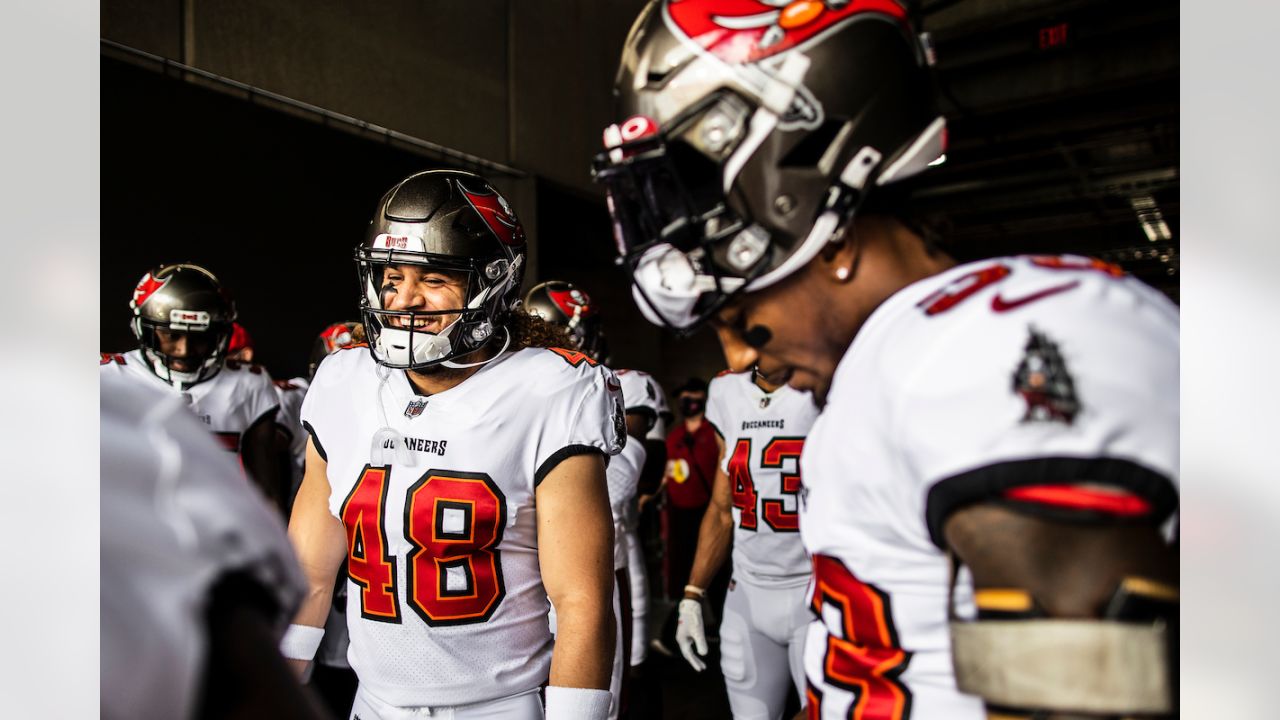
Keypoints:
pixel 417 288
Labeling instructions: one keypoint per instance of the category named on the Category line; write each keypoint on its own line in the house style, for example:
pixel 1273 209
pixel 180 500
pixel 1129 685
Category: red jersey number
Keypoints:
pixel 744 489
pixel 369 564
pixel 454 521
pixel 863 657
pixel 745 497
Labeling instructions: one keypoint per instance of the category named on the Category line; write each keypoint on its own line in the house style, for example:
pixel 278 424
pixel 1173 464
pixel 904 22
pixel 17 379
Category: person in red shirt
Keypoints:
pixel 692 455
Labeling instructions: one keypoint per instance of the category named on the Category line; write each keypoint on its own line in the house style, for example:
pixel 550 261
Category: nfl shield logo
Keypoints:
pixel 415 408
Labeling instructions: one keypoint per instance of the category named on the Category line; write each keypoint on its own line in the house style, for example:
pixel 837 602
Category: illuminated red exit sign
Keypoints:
pixel 1054 36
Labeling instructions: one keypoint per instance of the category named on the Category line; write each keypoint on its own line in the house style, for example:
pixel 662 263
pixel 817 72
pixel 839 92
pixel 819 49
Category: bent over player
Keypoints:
pixel 460 472
pixel 182 318
pixel 990 491
pixel 761 428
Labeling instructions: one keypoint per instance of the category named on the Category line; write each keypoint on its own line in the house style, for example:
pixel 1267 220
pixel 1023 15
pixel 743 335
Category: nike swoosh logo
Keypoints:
pixel 999 304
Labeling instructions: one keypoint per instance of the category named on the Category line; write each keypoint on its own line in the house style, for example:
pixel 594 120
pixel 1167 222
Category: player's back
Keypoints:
pixel 446 604
pixel 764 435
pixel 994 374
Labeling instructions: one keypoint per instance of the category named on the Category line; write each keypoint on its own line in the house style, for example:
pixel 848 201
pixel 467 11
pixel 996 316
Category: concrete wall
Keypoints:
pixel 524 83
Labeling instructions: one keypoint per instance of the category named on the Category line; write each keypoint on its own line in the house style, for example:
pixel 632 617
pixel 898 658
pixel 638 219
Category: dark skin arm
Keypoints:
pixel 245 676
pixel 266 460
pixel 1071 569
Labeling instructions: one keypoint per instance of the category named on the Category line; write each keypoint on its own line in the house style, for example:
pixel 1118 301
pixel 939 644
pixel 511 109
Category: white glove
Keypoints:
pixel 690 633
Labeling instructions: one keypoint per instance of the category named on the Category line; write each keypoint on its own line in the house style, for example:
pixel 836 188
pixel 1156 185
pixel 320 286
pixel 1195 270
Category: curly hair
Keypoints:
pixel 532 331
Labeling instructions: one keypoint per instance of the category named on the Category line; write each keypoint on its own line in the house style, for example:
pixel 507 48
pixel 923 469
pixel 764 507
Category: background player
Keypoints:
pixel 197 574
pixel 761 427
pixel 1019 415
pixel 182 318
pixel 460 472
pixel 564 305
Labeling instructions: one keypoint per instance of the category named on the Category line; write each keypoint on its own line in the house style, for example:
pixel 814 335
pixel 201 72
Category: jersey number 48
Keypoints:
pixel 453 520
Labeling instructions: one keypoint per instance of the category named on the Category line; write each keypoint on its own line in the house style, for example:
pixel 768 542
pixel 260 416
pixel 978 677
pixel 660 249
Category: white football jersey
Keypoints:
pixel 445 600
pixel 763 435
pixel 991 378
pixel 641 391
pixel 289 393
pixel 623 475
pixel 176 520
pixel 236 399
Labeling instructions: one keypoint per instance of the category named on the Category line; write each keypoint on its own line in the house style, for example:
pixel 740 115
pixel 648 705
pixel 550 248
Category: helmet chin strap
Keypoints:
pixel 176 378
pixel 506 342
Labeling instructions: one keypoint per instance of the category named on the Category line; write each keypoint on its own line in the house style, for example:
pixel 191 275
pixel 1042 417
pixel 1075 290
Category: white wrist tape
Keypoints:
pixel 300 642
pixel 566 703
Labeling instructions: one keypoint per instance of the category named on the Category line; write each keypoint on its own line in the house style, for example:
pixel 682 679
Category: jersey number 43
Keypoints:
pixel 745 496
pixel 453 520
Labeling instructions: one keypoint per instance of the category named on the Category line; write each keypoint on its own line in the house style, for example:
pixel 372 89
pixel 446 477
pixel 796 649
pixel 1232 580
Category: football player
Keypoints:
pixel 198 579
pixel 990 491
pixel 761 425
pixel 459 469
pixel 182 318
pixel 564 305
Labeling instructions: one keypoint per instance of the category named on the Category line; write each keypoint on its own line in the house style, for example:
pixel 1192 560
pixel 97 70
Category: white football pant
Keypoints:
pixel 762 647
pixel 639 599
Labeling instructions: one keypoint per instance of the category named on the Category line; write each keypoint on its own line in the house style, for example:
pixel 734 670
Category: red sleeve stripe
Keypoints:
pixel 1111 502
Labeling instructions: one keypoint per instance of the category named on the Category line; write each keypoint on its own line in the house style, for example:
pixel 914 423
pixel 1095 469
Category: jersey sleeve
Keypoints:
pixel 261 400
pixel 312 415
pixel 1067 406
pixel 585 414
pixel 623 476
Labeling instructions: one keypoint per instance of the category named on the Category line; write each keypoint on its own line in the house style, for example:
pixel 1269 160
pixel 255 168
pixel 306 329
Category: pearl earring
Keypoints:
pixel 842 273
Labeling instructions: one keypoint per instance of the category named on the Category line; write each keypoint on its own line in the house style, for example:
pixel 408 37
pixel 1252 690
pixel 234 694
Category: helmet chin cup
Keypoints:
pixel 397 346
pixel 176 378
pixel 667 287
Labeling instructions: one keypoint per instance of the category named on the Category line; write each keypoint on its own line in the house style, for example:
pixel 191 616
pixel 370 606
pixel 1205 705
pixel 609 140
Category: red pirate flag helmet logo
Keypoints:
pixel 747 31
pixel 572 302
pixel 336 337
pixel 147 287
pixel 498 215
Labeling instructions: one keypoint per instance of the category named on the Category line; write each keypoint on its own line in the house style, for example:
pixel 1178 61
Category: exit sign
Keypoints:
pixel 1054 36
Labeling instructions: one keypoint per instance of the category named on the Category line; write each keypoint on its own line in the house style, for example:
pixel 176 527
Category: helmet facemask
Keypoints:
pixel 206 348
pixel 787 155
pixel 688 243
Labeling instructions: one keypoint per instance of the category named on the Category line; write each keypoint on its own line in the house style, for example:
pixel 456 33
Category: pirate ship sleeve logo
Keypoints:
pixel 1042 381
